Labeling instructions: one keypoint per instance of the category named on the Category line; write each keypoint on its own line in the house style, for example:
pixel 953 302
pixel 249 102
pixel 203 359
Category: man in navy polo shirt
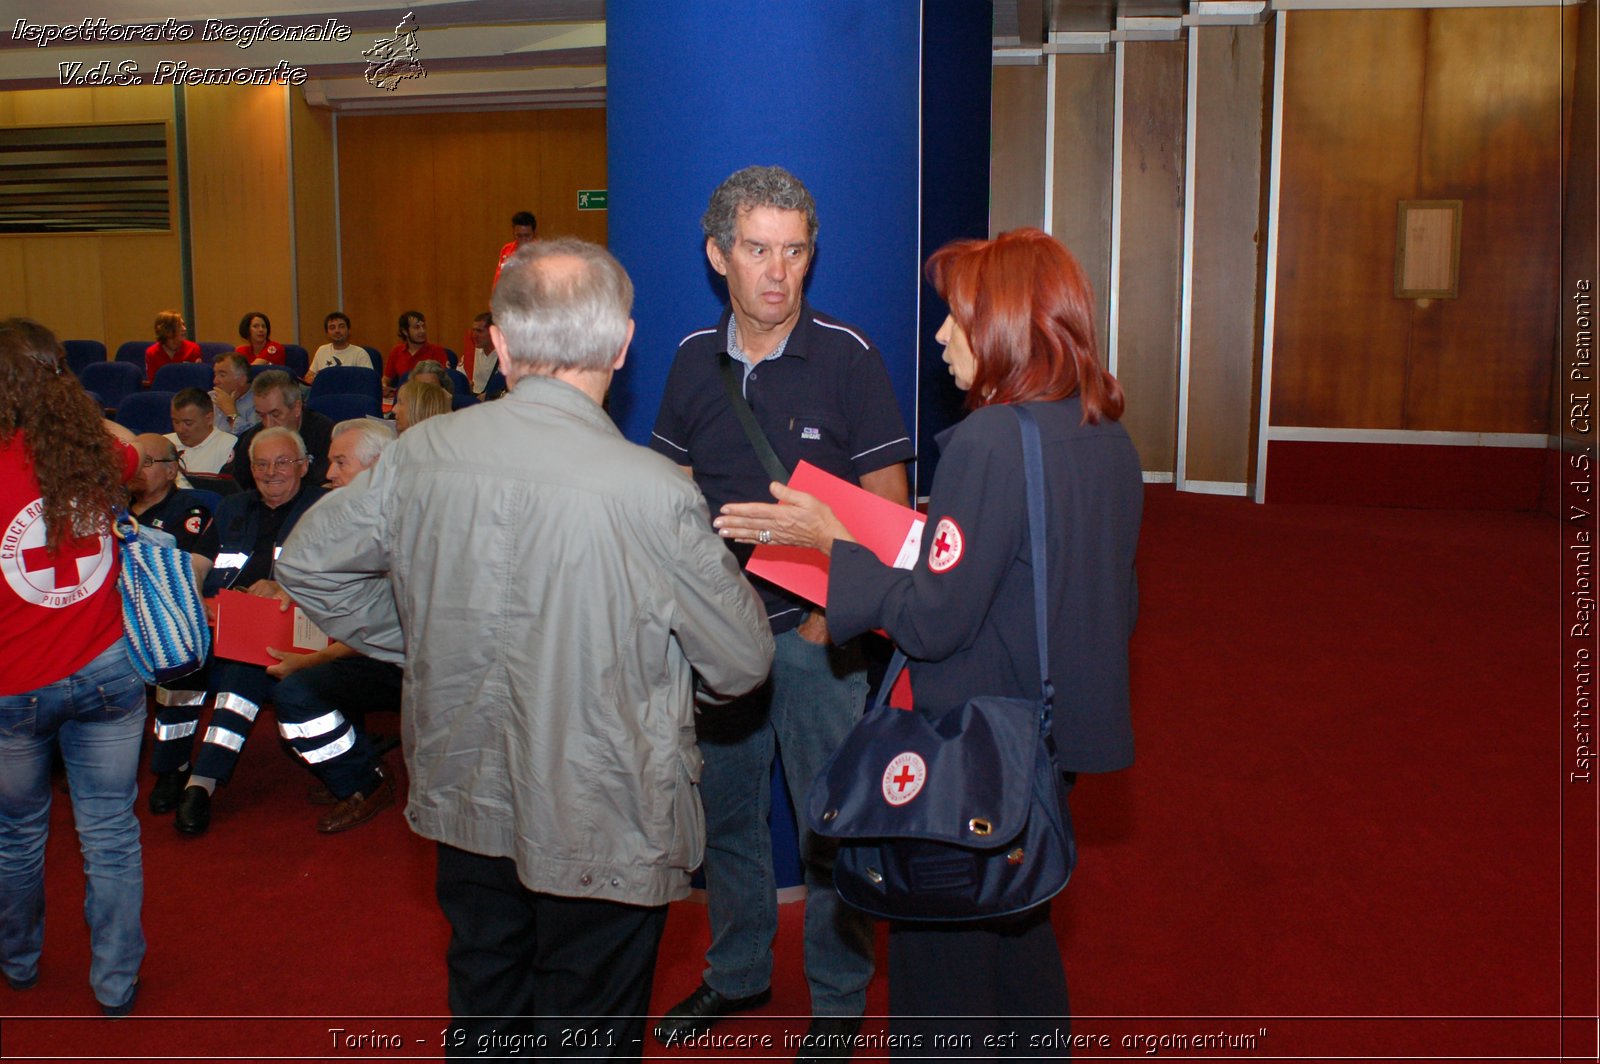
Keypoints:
pixel 820 393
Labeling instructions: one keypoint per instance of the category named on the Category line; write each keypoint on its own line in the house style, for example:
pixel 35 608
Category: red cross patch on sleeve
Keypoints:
pixel 945 550
pixel 192 523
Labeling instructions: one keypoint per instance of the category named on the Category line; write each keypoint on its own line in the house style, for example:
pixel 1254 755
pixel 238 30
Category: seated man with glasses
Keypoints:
pixel 158 502
pixel 251 528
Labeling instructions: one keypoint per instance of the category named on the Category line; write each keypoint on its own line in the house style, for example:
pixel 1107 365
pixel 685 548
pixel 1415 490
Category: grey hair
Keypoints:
pixel 374 437
pixel 555 318
pixel 276 380
pixel 437 368
pixel 752 187
pixel 278 433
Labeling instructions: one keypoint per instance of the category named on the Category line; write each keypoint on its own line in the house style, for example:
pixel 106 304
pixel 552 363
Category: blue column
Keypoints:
pixel 839 93
pixel 880 106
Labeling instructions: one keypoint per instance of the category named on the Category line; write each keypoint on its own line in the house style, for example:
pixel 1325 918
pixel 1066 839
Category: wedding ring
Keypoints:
pixel 765 536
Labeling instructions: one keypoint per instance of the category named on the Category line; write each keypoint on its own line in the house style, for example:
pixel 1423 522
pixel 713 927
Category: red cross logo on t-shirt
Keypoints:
pixel 946 547
pixel 64 561
pixel 54 579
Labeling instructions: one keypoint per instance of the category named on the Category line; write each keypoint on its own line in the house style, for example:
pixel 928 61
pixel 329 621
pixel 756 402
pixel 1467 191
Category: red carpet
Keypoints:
pixel 1340 837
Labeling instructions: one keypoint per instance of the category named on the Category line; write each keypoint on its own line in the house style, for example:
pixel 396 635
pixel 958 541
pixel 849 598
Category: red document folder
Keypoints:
pixel 888 530
pixel 248 624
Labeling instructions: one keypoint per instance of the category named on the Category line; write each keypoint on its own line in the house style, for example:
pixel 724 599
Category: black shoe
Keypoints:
pixel 695 1014
pixel 829 1038
pixel 116 1012
pixel 194 811
pixel 168 789
pixel 24 984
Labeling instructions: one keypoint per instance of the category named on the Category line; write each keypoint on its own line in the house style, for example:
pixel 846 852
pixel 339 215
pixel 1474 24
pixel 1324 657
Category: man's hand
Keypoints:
pixel 288 663
pixel 814 629
pixel 224 402
pixel 270 589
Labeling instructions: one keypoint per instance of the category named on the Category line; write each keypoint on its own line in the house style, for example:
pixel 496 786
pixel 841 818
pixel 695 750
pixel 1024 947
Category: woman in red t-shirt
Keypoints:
pixel 255 329
pixel 65 678
pixel 172 344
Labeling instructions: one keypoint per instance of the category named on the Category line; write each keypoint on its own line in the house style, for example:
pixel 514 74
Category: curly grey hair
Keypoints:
pixel 756 186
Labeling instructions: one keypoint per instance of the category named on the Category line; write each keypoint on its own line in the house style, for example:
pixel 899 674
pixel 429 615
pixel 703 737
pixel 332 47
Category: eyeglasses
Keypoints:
pixel 148 461
pixel 276 465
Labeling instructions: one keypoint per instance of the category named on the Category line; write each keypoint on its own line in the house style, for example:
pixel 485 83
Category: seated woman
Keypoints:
pixel 418 401
pixel 430 369
pixel 1020 330
pixel 255 329
pixel 172 344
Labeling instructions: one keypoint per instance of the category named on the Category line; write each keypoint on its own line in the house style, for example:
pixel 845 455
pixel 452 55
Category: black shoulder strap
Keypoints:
pixel 747 420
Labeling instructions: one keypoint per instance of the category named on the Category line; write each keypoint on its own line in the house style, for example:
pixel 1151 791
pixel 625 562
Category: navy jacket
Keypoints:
pixel 964 615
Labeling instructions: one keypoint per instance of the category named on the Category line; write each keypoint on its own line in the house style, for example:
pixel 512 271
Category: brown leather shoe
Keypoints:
pixel 358 808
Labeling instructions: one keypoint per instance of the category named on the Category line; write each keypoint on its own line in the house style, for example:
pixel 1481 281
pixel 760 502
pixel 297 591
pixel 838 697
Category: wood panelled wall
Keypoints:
pixel 240 226
pixel 1017 151
pixel 1150 277
pixel 316 219
pixel 425 202
pixel 91 286
pixel 1233 65
pixel 1382 106
pixel 1080 186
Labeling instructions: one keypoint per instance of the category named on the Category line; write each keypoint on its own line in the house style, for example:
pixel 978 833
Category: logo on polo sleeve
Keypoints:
pixel 947 546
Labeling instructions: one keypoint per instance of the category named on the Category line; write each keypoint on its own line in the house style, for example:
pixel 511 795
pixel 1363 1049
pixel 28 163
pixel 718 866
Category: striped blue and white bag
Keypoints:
pixel 162 614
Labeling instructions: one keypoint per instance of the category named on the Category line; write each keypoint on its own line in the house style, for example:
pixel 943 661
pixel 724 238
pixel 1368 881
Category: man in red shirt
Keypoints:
pixel 412 348
pixel 524 230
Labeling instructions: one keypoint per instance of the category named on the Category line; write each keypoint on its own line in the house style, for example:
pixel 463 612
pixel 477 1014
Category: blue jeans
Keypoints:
pixel 97 716
pixel 813 698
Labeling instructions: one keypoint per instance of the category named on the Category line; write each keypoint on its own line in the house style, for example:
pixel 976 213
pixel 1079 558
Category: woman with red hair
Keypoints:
pixel 1020 331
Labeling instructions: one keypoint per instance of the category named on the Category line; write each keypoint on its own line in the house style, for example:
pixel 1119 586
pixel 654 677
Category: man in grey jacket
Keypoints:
pixel 551 671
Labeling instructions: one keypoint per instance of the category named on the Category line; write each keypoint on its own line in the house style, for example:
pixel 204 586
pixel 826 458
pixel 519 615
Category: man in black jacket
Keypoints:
pixel 251 526
pixel 279 404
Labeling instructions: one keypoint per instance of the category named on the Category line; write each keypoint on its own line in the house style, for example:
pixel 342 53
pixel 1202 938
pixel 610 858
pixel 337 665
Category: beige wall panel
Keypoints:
pixel 388 225
pixel 45 107
pixel 130 103
pixel 1016 148
pixel 1086 97
pixel 423 232
pixel 572 156
pixel 14 279
pixel 1491 137
pixel 1154 82
pixel 1353 84
pixel 315 236
pixel 87 286
pixel 239 209
pixel 142 276
pixel 66 286
pixel 1225 304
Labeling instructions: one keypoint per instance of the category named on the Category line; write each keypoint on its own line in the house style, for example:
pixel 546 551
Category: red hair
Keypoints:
pixel 1028 313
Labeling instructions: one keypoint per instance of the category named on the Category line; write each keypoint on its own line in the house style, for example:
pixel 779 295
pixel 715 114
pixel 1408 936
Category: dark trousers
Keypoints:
pixel 1012 989
pixel 322 711
pixel 541 975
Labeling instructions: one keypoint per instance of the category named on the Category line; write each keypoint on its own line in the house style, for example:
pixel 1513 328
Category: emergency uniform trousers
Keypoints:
pixel 177 716
pixel 322 712
pixel 241 691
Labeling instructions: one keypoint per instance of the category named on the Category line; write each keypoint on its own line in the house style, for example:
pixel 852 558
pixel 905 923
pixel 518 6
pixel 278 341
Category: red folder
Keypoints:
pixel 889 530
pixel 248 624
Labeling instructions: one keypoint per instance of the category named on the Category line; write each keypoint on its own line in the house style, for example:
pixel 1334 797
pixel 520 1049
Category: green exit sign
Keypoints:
pixel 591 199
